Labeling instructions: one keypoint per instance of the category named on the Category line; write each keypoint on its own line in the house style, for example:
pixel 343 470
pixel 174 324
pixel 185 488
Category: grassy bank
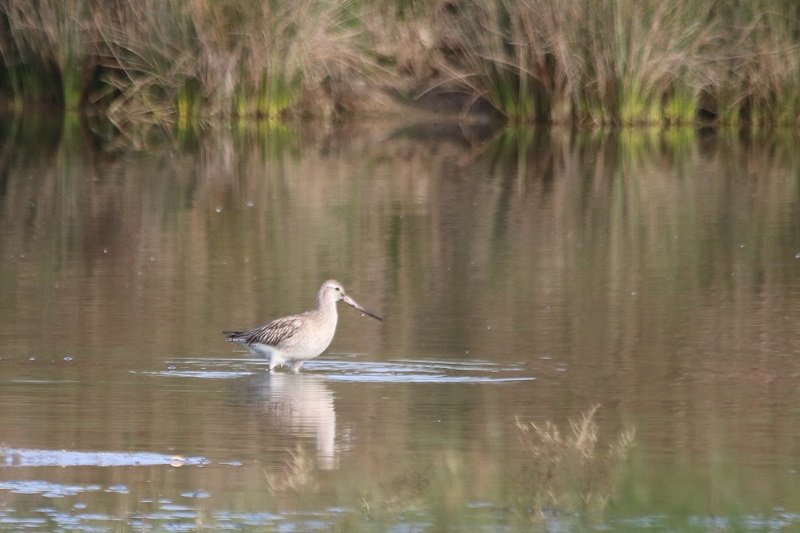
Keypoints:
pixel 178 63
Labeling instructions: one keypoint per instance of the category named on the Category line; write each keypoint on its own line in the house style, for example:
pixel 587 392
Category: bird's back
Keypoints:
pixel 275 333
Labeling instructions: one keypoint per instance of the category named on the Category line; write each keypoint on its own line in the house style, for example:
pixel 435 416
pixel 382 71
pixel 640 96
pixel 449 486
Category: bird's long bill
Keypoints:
pixel 349 301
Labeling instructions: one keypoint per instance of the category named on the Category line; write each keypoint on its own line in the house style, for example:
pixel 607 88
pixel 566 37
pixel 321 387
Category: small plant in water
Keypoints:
pixel 566 473
pixel 297 475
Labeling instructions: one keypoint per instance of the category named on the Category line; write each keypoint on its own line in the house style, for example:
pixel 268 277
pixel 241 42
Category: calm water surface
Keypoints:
pixel 524 278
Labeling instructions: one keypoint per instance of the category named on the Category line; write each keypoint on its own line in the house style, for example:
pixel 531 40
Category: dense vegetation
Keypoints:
pixel 596 62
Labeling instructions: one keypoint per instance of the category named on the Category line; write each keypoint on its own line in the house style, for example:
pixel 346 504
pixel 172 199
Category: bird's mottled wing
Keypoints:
pixel 272 334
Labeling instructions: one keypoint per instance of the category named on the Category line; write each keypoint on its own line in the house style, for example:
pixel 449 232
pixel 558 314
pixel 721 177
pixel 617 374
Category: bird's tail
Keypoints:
pixel 234 336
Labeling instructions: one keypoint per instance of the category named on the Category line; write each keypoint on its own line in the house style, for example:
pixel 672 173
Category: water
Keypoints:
pixel 524 278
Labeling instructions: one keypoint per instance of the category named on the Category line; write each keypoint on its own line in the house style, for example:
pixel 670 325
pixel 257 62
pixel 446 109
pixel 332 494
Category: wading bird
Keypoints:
pixel 294 339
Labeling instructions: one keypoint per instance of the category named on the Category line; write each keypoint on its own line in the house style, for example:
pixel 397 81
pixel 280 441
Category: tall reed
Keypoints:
pixel 42 50
pixel 172 62
pixel 597 61
pixel 181 62
pixel 631 61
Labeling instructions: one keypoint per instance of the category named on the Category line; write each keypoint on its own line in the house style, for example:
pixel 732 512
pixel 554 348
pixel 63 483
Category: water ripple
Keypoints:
pixel 347 369
pixel 421 371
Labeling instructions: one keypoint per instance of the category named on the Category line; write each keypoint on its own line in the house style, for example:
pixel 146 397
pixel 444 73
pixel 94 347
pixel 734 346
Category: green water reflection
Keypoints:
pixel 524 277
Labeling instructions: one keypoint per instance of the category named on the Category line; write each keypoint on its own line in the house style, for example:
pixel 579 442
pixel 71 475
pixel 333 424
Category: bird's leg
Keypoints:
pixel 274 362
pixel 296 364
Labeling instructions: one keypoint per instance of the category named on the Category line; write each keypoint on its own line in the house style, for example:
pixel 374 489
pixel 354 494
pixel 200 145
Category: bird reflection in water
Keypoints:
pixel 303 405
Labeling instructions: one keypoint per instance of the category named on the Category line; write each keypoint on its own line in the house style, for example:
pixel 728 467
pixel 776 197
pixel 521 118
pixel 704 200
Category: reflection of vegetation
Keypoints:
pixel 567 473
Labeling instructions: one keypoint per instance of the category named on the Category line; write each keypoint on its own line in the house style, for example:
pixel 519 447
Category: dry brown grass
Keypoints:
pixel 567 473
pixel 297 475
pixel 182 62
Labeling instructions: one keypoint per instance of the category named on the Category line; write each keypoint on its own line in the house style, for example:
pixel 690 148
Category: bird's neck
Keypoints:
pixel 326 305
